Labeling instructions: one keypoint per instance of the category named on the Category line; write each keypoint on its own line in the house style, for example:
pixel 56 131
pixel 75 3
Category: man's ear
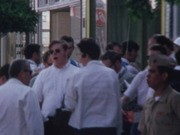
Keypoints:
pixel 165 76
pixel 4 78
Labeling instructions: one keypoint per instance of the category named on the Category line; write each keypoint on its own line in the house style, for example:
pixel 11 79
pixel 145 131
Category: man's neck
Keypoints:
pixel 61 65
pixel 159 91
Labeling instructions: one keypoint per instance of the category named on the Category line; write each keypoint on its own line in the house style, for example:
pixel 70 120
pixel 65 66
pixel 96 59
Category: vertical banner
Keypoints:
pixel 101 23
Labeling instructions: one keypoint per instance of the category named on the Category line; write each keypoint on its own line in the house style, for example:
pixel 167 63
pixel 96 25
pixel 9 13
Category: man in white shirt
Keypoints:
pixel 20 112
pixel 130 52
pixel 93 95
pixel 51 83
pixel 32 54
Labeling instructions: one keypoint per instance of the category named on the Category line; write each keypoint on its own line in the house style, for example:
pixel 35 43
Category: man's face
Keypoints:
pixel 49 62
pixel 27 75
pixel 58 54
pixel 36 57
pixel 107 63
pixel 117 49
pixel 131 56
pixel 70 49
pixel 155 78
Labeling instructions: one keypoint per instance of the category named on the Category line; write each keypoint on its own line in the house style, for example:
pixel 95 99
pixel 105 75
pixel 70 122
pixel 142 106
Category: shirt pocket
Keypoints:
pixel 164 117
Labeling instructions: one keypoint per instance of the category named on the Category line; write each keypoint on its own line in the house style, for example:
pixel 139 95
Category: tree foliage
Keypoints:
pixel 17 16
pixel 141 8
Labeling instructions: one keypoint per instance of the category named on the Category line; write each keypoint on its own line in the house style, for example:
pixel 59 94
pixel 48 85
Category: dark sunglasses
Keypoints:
pixel 56 51
pixel 28 70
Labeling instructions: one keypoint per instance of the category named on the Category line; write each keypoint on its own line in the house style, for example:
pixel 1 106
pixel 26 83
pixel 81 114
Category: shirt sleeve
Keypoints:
pixel 131 91
pixel 38 88
pixel 70 95
pixel 32 113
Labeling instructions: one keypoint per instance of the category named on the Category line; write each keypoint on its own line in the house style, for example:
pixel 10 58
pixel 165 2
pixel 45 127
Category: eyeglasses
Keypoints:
pixel 28 70
pixel 56 51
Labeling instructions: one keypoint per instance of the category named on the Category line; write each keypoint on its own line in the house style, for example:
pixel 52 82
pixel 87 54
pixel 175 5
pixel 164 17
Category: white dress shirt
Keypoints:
pixel 50 86
pixel 93 97
pixel 33 64
pixel 132 69
pixel 20 112
pixel 139 88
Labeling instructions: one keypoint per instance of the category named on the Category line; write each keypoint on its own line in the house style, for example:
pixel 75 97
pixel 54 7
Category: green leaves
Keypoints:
pixel 17 16
pixel 143 8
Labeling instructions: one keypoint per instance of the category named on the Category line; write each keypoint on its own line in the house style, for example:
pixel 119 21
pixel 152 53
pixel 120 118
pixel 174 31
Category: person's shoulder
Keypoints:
pixel 175 94
pixel 46 70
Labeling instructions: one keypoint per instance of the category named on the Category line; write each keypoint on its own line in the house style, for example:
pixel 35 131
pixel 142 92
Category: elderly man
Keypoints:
pixel 161 113
pixel 20 112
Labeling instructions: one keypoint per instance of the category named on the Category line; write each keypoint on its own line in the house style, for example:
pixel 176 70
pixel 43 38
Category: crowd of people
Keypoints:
pixel 104 94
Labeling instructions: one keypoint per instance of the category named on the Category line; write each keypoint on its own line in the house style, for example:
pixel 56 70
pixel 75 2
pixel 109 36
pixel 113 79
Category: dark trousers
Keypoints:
pixel 134 129
pixel 96 131
pixel 49 129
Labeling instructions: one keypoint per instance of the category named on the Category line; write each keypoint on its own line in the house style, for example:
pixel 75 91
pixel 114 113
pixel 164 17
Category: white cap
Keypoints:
pixel 177 41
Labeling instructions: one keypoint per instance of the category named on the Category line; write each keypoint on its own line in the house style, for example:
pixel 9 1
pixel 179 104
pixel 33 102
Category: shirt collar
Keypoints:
pixel 64 67
pixel 94 62
pixel 14 80
pixel 31 61
pixel 165 94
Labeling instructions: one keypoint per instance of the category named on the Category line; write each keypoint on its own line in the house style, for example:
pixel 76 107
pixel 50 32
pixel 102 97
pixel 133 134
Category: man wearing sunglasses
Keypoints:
pixel 50 84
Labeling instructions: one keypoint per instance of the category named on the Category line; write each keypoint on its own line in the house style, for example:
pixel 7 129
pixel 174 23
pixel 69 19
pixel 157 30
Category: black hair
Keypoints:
pixel 164 41
pixel 112 56
pixel 111 45
pixel 30 49
pixel 4 71
pixel 89 47
pixel 159 48
pixel 61 42
pixel 68 39
pixel 129 46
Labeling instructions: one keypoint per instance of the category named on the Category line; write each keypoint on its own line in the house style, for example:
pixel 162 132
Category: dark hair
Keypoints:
pixel 68 39
pixel 177 56
pixel 164 41
pixel 111 45
pixel 89 47
pixel 159 48
pixel 46 56
pixel 63 43
pixel 17 66
pixel 112 56
pixel 4 71
pixel 30 49
pixel 129 46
